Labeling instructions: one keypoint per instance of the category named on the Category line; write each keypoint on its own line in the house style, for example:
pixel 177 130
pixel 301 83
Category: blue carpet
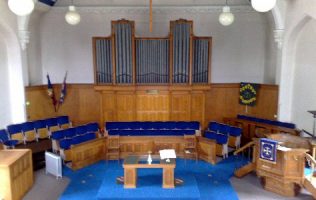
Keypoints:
pixel 201 181
pixel 149 186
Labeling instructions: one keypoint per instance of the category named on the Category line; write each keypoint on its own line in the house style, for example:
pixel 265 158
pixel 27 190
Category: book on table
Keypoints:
pixel 167 153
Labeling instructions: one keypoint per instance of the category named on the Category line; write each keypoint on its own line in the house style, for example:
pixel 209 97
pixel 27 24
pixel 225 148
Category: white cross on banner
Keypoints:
pixel 268 150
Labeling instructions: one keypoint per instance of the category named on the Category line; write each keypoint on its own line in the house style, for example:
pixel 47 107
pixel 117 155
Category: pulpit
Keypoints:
pixel 286 175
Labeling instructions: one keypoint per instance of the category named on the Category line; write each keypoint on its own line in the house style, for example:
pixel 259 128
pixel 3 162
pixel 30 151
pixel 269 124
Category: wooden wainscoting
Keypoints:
pixel 16 172
pixel 222 100
pixel 87 102
pixel 152 107
pixel 207 150
pixel 87 153
pixel 82 103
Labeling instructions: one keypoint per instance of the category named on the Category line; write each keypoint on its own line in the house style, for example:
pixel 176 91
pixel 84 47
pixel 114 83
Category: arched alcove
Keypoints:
pixel 5 114
pixel 304 94
pixel 288 68
pixel 14 98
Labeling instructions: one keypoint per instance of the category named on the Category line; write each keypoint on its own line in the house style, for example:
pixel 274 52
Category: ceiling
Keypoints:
pixel 137 3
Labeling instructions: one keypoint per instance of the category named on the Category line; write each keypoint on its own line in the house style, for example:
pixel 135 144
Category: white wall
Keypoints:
pixel 239 51
pixel 34 51
pixel 5 114
pixel 298 14
pixel 304 91
pixel 12 64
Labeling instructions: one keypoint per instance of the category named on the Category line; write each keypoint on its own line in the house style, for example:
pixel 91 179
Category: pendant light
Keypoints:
pixel 21 7
pixel 226 18
pixel 72 17
pixel 263 5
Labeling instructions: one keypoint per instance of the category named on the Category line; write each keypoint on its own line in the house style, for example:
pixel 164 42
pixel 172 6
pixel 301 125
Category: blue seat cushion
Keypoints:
pixel 220 138
pixel 57 135
pixel 70 132
pixel 65 144
pixel 11 143
pixel 92 127
pixel 62 120
pixel 235 131
pixel 213 126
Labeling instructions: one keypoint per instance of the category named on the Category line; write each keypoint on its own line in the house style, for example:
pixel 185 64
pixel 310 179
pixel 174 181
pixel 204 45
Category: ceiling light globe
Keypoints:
pixel 21 7
pixel 72 17
pixel 263 5
pixel 226 18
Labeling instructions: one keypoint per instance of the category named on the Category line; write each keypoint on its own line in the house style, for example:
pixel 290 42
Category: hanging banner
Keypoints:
pixel 51 93
pixel 268 150
pixel 248 93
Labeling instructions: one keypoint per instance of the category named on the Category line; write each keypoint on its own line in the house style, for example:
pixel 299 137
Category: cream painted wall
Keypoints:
pixel 239 51
pixel 304 97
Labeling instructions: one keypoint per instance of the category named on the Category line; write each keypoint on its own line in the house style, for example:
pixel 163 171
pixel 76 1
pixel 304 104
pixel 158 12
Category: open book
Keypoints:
pixel 167 153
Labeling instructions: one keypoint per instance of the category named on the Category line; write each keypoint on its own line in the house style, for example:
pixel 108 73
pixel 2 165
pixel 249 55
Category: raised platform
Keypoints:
pixel 149 184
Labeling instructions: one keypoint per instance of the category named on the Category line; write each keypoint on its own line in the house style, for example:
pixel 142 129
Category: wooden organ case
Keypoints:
pixel 152 79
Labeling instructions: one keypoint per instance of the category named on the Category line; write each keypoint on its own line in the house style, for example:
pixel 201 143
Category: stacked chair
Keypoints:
pixel 267 121
pixel 148 128
pixel 29 132
pixel 5 140
pixel 15 133
pixel 41 129
pixel 33 130
pixel 224 135
pixel 63 139
pixel 63 122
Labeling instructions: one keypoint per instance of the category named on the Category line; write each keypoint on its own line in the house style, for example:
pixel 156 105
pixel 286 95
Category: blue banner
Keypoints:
pixel 268 150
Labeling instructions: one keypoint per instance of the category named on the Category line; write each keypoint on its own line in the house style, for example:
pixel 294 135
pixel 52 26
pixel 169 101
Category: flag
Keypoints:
pixel 248 93
pixel 63 91
pixel 50 92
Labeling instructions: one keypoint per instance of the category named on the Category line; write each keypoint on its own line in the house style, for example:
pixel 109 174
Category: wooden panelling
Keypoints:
pixel 180 106
pixel 207 150
pixel 222 100
pixel 16 172
pixel 153 107
pixel 82 103
pixel 197 107
pixel 107 109
pixel 125 106
pixel 203 103
pixel 87 153
pixel 140 145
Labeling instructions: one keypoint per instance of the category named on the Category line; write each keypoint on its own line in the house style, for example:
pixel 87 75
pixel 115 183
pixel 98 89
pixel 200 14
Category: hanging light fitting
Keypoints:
pixel 226 18
pixel 263 5
pixel 21 7
pixel 72 17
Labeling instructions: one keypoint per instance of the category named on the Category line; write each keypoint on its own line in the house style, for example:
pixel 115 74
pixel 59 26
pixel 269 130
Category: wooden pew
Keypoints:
pixel 207 150
pixel 251 129
pixel 140 145
pixel 87 153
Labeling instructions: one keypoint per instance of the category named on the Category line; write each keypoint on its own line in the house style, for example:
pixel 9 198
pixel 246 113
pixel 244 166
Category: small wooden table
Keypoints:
pixel 132 163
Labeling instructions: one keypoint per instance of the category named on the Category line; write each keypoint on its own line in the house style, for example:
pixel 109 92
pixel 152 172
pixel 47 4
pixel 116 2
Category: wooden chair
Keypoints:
pixel 113 148
pixel 190 147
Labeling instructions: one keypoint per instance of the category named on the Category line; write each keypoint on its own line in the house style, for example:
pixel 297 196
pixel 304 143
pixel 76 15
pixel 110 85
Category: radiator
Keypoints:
pixel 53 164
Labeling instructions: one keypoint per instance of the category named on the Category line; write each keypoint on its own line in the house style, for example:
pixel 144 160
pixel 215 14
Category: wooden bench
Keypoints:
pixel 140 145
pixel 252 129
pixel 87 153
pixel 207 150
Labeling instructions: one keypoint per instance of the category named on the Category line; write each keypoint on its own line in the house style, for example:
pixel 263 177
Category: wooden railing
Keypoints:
pixel 248 145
